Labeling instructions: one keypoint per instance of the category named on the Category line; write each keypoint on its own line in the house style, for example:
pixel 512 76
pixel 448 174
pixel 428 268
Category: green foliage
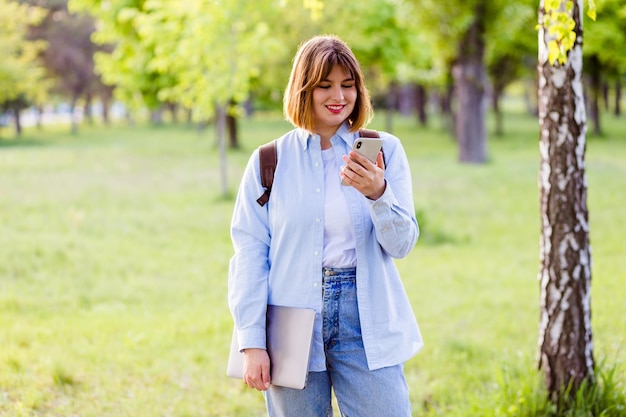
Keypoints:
pixel 128 66
pixel 210 53
pixel 511 50
pixel 383 36
pixel 558 22
pixel 20 73
pixel 605 38
pixel 200 55
pixel 522 393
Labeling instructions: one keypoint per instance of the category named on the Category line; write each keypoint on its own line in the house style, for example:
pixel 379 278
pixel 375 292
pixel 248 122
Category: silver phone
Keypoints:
pixel 368 147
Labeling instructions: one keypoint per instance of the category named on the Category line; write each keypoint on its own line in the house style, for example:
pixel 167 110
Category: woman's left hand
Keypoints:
pixel 368 178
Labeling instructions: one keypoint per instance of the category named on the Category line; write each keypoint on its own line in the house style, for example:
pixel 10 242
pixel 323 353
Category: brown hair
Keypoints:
pixel 312 64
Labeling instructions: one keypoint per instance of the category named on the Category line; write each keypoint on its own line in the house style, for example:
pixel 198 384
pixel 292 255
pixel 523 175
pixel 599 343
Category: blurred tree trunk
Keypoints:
pixel 17 119
pixel 231 125
pixel 73 117
pixel 173 109
pixel 391 105
pixel 605 95
pixel 87 111
pixel 220 125
pixel 448 118
pixel 105 111
pixel 595 85
pixel 15 107
pixel 565 336
pixel 421 101
pixel 495 103
pixel 618 97
pixel 530 94
pixel 106 97
pixel 470 77
pixel 156 116
pixel 39 119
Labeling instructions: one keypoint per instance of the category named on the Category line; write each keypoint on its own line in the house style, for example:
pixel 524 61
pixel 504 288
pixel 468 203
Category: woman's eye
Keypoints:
pixel 348 85
pixel 325 87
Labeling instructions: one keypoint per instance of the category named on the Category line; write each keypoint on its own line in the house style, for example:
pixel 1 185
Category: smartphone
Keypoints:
pixel 368 147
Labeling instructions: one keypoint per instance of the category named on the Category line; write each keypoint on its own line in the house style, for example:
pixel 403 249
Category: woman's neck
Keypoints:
pixel 325 137
pixel 325 142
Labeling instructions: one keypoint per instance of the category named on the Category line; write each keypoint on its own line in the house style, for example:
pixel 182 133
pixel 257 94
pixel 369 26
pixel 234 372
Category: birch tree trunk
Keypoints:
pixel 565 336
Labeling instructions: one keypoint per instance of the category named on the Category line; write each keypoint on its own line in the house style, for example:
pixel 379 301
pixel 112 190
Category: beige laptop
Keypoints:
pixel 289 337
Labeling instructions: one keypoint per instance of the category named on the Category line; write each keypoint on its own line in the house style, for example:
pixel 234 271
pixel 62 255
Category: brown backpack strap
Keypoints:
pixel 368 133
pixel 267 165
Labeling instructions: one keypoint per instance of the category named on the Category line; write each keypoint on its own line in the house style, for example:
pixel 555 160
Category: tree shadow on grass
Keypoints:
pixel 20 142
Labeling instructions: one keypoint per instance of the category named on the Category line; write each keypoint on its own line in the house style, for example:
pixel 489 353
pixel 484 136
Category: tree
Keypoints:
pixel 380 33
pixel 214 68
pixel 602 62
pixel 69 53
pixel 511 53
pixel 459 31
pixel 204 55
pixel 565 335
pixel 127 53
pixel 21 76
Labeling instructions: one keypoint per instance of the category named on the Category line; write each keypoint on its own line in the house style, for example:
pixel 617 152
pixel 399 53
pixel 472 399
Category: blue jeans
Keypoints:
pixel 359 391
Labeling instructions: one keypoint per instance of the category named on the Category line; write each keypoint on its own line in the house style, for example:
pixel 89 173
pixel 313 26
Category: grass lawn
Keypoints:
pixel 115 249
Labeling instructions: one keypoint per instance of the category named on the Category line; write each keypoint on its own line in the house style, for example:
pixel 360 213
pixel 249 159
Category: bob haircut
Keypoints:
pixel 312 64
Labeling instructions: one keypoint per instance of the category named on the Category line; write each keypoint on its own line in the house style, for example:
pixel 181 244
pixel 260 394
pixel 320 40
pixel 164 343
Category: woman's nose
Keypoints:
pixel 338 93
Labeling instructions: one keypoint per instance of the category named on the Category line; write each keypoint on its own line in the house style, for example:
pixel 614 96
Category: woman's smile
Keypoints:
pixel 336 108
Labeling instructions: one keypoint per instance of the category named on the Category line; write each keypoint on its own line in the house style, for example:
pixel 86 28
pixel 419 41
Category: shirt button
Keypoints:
pixel 317 164
pixel 317 220
pixel 317 190
pixel 316 285
pixel 316 253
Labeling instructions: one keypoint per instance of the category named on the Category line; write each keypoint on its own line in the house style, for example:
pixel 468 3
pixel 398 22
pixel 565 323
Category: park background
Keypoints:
pixel 115 225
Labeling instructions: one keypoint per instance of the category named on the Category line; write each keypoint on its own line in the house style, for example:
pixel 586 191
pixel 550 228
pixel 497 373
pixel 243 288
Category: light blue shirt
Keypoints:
pixel 279 248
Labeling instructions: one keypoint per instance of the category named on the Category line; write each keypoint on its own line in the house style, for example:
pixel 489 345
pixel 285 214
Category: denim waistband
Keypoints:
pixel 329 272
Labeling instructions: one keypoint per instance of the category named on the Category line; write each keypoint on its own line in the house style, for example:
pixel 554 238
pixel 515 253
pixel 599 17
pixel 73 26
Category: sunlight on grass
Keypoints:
pixel 113 278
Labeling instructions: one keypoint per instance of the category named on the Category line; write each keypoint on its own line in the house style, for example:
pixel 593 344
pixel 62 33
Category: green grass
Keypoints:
pixel 115 249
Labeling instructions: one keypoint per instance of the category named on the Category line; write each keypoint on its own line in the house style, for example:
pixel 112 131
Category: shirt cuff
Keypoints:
pixel 384 200
pixel 251 338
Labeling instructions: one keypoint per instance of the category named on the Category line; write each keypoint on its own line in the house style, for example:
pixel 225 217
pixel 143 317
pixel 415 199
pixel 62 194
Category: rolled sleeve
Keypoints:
pixel 393 214
pixel 249 266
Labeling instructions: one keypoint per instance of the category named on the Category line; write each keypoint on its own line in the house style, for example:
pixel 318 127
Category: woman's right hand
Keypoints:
pixel 256 369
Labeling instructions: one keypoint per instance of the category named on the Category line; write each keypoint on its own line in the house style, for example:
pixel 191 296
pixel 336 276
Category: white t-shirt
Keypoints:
pixel 339 241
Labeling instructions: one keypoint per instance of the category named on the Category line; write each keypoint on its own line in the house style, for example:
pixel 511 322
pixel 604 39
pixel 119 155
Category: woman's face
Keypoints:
pixel 333 100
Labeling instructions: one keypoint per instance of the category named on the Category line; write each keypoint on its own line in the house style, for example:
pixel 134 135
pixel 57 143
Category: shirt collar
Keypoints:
pixel 343 132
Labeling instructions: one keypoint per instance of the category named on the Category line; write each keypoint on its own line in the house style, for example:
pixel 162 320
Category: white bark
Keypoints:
pixel 565 336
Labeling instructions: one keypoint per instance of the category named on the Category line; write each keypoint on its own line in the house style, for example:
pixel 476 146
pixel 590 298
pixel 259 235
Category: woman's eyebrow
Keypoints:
pixel 326 80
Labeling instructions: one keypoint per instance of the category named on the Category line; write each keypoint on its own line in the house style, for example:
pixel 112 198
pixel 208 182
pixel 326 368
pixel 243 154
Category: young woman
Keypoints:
pixel 327 246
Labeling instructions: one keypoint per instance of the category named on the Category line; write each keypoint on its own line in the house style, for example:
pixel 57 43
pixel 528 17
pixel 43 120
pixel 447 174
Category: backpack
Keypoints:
pixel 268 161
